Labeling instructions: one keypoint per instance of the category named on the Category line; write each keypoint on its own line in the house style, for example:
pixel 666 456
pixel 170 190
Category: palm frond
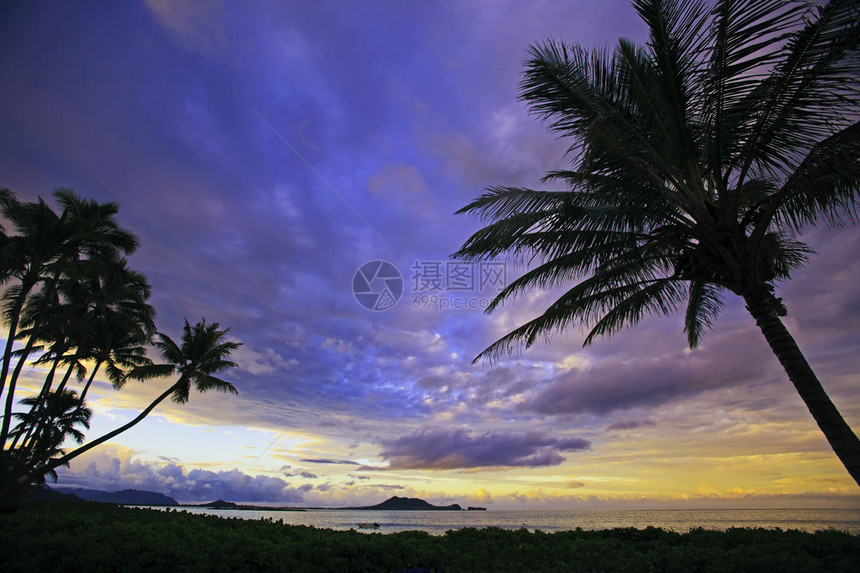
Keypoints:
pixel 209 382
pixel 825 185
pixel 181 390
pixel 169 350
pixel 779 255
pixel 678 40
pixel 501 202
pixel 703 305
pixel 151 371
pixel 813 87
pixel 609 308
pixel 632 302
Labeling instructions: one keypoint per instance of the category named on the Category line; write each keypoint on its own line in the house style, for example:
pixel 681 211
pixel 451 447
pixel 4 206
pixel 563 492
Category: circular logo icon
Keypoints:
pixel 377 285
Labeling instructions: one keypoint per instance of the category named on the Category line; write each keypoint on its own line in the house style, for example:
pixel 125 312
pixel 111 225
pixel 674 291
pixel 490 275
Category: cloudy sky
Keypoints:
pixel 264 153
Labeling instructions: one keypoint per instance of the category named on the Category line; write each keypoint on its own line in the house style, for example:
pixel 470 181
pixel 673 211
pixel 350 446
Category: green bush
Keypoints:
pixel 96 537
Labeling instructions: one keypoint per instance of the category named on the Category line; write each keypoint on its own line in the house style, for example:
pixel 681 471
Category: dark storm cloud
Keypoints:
pixel 460 448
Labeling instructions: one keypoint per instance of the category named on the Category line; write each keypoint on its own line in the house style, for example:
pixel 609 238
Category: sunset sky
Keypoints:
pixel 264 151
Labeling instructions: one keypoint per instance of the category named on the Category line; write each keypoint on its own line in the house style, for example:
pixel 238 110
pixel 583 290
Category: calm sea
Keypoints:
pixel 438 522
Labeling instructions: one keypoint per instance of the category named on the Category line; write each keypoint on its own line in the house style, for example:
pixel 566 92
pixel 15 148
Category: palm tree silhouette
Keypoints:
pixel 100 313
pixel 107 302
pixel 60 414
pixel 202 353
pixel 697 160
pixel 45 247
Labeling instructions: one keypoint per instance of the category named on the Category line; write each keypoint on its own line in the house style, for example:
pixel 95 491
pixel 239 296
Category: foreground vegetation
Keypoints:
pixel 86 536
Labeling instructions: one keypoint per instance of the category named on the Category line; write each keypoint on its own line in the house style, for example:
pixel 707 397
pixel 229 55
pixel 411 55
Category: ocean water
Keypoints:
pixel 438 522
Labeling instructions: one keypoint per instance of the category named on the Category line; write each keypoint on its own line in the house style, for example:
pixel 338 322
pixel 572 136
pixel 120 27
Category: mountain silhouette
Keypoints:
pixel 124 497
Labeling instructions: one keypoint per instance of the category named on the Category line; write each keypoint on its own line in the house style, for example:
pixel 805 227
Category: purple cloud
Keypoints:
pixel 460 448
pixel 629 425
pixel 289 471
pixel 636 371
pixel 195 485
pixel 329 461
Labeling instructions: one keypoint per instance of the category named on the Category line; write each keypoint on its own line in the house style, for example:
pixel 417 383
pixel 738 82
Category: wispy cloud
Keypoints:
pixel 330 461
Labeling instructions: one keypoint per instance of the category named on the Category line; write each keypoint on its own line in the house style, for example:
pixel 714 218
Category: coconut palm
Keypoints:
pixel 47 245
pixel 64 413
pixel 202 353
pixel 57 418
pixel 105 299
pixel 100 308
pixel 697 161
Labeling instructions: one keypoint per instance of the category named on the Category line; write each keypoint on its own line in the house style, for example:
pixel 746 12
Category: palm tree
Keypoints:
pixel 48 424
pixel 46 246
pixel 698 159
pixel 100 308
pixel 202 353
pixel 105 299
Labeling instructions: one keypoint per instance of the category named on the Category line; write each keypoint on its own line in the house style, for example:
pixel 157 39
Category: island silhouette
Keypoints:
pixel 137 497
pixel 408 504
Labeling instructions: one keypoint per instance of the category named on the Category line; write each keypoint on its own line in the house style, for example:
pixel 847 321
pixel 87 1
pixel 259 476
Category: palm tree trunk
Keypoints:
pixel 50 290
pixel 49 379
pixel 65 379
pixel 40 400
pixel 10 395
pixel 14 317
pixel 98 441
pixel 838 433
pixel 27 284
pixel 7 353
pixel 89 382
